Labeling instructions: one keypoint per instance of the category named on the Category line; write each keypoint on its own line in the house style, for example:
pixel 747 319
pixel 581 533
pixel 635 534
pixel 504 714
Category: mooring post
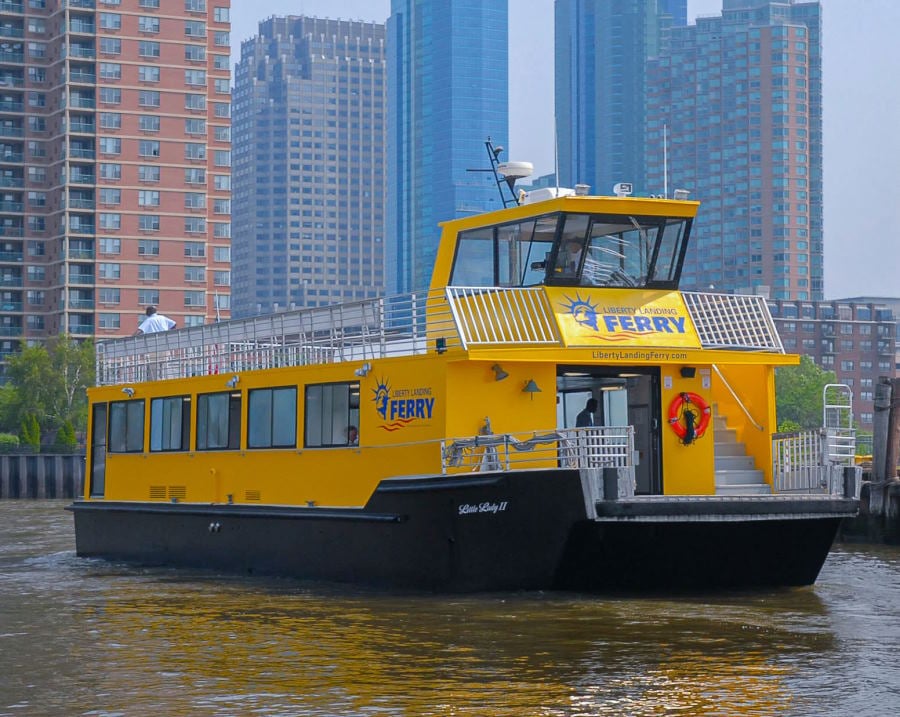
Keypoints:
pixel 892 454
pixel 883 394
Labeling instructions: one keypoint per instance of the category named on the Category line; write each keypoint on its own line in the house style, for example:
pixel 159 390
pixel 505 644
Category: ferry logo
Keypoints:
pixel 402 406
pixel 625 323
pixel 382 393
pixel 583 311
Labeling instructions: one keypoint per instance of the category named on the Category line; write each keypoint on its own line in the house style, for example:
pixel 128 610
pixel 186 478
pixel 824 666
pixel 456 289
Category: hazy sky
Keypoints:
pixel 861 106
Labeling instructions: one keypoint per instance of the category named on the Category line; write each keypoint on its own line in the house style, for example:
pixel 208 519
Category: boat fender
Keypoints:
pixel 689 416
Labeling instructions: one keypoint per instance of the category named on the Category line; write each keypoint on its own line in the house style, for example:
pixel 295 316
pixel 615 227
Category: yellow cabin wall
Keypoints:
pixel 686 469
pixel 755 385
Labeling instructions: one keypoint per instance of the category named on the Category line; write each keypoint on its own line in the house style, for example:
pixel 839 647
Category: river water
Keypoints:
pixel 85 637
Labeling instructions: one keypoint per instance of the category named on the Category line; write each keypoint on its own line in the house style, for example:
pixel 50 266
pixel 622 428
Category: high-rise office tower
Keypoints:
pixel 309 129
pixel 601 49
pixel 447 86
pixel 734 113
pixel 115 168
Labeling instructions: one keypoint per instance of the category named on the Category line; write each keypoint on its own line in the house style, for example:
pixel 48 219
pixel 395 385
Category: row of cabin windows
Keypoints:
pixel 331 411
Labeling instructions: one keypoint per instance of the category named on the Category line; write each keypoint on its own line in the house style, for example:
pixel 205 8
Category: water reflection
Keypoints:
pixel 93 638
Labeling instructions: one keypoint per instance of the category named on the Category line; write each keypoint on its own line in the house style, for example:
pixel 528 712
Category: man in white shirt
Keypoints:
pixel 154 322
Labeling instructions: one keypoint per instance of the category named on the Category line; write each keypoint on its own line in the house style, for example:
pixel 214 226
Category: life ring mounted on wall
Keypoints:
pixel 689 416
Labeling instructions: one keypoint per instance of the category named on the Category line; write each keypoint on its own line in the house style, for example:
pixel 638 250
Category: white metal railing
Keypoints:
pixel 359 331
pixel 493 315
pixel 733 321
pixel 811 461
pixel 395 326
pixel 597 447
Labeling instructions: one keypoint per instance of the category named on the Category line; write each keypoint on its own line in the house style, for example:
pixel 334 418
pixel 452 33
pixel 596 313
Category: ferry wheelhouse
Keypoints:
pixel 434 440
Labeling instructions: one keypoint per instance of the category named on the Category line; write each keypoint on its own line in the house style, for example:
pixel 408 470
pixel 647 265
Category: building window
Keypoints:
pixel 195 275
pixel 148 74
pixel 272 418
pixel 110 145
pixel 194 102
pixel 331 409
pixel 110 46
pixel 148 272
pixel 148 48
pixel 148 297
pixel 218 421
pixel 148 123
pixel 110 222
pixel 109 295
pixel 126 426
pixel 109 321
pixel 148 222
pixel 148 173
pixel 194 249
pixel 170 423
pixel 110 21
pixel 110 96
pixel 194 225
pixel 110 171
pixel 195 200
pixel 148 98
pixel 194 28
pixel 195 175
pixel 194 150
pixel 195 126
pixel 148 24
pixel 148 247
pixel 110 71
pixel 109 245
pixel 148 198
pixel 109 271
pixel 111 120
pixel 195 298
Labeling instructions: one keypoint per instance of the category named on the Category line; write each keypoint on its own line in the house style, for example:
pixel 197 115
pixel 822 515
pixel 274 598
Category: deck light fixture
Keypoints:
pixel 364 369
pixel 531 387
pixel 128 391
pixel 688 372
pixel 499 373
pixel 233 381
pixel 440 344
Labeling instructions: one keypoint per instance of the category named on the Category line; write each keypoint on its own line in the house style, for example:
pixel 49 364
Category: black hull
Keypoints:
pixel 524 530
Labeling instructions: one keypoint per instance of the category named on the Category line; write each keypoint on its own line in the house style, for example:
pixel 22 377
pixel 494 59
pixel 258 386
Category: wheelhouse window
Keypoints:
pixel 218 421
pixel 170 423
pixel 126 427
pixel 272 418
pixel 574 250
pixel 332 410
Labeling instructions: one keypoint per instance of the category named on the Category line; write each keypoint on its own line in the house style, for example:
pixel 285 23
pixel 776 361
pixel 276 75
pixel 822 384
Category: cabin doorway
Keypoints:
pixel 624 396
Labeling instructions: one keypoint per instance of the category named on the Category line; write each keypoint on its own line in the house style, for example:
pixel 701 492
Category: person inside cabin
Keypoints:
pixel 154 322
pixel 569 259
pixel 352 436
pixel 585 418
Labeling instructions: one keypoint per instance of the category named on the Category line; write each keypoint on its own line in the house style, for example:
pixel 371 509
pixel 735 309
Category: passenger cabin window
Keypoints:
pixel 569 249
pixel 332 415
pixel 170 423
pixel 218 421
pixel 126 427
pixel 272 418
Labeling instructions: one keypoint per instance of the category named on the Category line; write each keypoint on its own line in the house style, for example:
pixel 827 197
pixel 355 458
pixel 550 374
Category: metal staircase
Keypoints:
pixel 736 473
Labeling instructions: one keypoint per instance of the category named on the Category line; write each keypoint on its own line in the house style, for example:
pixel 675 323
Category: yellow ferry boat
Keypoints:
pixel 553 413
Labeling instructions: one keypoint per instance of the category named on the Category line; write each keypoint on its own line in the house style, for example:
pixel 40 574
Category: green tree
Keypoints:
pixel 48 383
pixel 798 394
pixel 65 438
pixel 31 432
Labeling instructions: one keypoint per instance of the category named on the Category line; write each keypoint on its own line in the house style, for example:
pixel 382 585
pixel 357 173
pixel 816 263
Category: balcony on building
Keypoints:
pixel 82 49
pixel 81 275
pixel 81 299
pixel 81 199
pixel 11 103
pixel 82 25
pixel 10 327
pixel 11 28
pixel 12 178
pixel 82 224
pixel 82 99
pixel 81 327
pixel 12 229
pixel 11 302
pixel 11 154
pixel 82 125
pixel 77 175
pixel 10 254
pixel 12 53
pixel 83 75
pixel 11 78
pixel 83 4
pixel 11 203
pixel 10 278
pixel 81 250
pixel 10 128
pixel 80 149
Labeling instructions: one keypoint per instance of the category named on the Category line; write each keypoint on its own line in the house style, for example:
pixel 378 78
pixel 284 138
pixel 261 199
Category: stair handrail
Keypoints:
pixel 758 426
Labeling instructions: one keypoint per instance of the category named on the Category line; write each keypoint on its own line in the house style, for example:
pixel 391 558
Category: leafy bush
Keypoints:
pixel 31 433
pixel 65 439
pixel 8 443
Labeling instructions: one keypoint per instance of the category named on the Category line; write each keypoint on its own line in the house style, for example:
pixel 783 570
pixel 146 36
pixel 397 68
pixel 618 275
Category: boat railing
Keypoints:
pixel 404 325
pixel 360 331
pixel 813 461
pixel 733 321
pixel 578 448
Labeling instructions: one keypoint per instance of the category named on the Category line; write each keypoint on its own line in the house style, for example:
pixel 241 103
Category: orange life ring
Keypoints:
pixel 686 424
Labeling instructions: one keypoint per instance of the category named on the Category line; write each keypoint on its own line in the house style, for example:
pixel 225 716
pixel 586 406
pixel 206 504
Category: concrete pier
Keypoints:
pixel 41 475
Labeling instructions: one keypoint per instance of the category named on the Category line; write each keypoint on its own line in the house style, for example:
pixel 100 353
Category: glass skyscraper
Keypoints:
pixel 309 128
pixel 447 93
pixel 739 100
pixel 601 48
